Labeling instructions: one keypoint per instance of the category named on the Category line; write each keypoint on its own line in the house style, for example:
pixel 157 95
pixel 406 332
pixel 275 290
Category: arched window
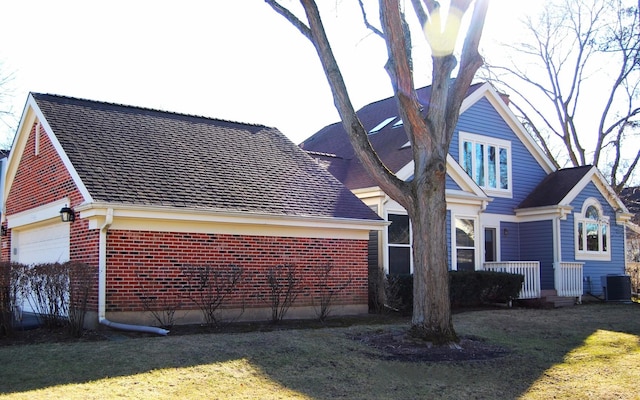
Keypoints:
pixel 592 232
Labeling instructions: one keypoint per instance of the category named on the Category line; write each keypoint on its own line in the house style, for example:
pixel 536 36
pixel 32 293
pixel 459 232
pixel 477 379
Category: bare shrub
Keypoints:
pixel 163 311
pixel 6 314
pixel 46 288
pixel 210 287
pixel 82 277
pixel 327 291
pixel 284 287
pixel 633 270
pixel 393 289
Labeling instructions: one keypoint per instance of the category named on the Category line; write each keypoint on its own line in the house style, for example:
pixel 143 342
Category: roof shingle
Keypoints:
pixel 139 156
pixel 554 187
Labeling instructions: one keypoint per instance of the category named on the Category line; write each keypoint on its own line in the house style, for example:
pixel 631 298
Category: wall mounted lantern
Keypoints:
pixel 67 214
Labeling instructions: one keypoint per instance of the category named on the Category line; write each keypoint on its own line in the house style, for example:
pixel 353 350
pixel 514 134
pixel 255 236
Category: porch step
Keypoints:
pixel 557 301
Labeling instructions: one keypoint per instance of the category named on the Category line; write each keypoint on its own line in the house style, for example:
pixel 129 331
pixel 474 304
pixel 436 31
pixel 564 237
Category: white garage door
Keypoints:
pixel 46 243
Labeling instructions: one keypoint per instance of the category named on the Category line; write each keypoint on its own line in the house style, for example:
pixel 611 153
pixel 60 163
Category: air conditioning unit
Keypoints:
pixel 616 287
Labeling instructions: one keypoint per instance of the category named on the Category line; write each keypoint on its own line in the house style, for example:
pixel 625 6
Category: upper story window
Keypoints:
pixel 488 162
pixel 381 125
pixel 592 232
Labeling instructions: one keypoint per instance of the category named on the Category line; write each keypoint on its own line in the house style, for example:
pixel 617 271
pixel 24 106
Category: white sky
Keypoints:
pixel 236 60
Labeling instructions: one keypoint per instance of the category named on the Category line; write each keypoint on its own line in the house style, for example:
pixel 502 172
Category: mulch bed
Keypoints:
pixel 398 345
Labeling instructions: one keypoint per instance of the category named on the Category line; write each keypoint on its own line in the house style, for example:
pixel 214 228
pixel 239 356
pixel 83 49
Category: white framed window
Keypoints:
pixel 487 160
pixel 592 238
pixel 465 252
pixel 399 244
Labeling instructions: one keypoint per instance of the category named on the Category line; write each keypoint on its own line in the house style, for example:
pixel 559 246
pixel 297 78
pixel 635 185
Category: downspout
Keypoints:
pixel 102 286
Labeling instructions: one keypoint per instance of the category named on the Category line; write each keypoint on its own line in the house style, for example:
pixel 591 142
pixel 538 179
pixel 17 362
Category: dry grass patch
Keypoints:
pixel 589 351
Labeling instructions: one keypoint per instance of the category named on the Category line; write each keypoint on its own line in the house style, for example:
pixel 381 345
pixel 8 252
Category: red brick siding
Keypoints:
pixel 151 264
pixel 40 179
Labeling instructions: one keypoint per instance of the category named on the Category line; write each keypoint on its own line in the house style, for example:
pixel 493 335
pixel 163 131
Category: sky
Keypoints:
pixel 234 60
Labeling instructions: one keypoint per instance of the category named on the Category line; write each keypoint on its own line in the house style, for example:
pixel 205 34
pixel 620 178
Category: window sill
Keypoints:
pixel 593 257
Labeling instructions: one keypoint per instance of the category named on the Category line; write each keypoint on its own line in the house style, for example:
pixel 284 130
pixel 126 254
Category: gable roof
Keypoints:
pixel 561 187
pixel 555 187
pixel 331 145
pixel 135 156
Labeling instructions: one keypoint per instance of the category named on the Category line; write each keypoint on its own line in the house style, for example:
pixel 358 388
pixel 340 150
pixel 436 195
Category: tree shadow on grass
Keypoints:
pixel 338 361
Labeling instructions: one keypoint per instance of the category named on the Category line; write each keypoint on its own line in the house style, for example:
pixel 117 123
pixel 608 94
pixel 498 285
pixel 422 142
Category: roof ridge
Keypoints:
pixel 157 110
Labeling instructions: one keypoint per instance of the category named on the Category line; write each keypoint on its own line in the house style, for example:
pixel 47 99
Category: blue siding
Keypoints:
pixel 536 244
pixel 594 269
pixel 451 184
pixel 483 119
pixel 449 238
pixel 509 241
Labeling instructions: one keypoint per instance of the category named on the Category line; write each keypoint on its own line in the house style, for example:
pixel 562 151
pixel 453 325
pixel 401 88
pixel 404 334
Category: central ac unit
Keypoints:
pixel 616 287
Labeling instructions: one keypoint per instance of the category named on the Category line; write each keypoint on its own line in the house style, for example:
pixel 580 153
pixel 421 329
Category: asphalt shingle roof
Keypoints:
pixel 388 142
pixel 554 187
pixel 138 156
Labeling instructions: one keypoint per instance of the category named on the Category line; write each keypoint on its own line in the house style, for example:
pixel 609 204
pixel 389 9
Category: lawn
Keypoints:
pixel 588 351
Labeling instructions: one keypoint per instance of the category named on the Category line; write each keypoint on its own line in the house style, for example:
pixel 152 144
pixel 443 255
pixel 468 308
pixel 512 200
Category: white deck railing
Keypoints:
pixel 530 270
pixel 568 279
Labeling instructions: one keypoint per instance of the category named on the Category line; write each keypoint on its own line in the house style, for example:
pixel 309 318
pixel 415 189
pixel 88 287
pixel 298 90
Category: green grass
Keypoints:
pixel 590 351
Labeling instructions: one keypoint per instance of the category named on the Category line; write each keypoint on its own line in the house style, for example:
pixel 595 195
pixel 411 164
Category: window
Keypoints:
pixel 490 245
pixel 592 232
pixel 465 244
pixel 399 238
pixel 487 161
pixel 381 125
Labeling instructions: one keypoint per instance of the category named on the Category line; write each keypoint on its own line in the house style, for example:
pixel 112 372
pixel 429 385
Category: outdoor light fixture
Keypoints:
pixel 3 230
pixel 67 214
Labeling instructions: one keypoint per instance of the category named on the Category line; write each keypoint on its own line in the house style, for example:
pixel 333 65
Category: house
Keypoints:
pixel 152 192
pixel 4 156
pixel 508 207
pixel 631 198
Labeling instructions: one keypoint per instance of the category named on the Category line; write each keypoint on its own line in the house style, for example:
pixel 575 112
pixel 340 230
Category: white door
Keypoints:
pixel 43 244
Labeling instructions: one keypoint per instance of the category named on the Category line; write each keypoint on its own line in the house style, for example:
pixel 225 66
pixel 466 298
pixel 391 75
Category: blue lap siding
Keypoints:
pixel 594 269
pixel 483 119
pixel 536 239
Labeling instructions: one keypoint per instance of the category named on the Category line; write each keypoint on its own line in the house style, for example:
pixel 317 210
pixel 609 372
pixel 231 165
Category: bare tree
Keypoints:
pixel 8 119
pixel 429 131
pixel 574 79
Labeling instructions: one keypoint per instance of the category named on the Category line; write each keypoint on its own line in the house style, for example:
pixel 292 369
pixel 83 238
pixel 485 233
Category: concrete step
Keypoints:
pixel 558 301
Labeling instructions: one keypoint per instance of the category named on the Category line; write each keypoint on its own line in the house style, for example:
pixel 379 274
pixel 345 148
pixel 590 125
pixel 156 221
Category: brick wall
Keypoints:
pixel 153 264
pixel 41 178
pixel 156 265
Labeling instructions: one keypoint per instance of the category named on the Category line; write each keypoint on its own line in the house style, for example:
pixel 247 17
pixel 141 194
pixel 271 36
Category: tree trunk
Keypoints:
pixel 431 320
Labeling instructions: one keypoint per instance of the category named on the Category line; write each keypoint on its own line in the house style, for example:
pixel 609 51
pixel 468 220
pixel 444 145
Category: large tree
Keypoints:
pixel 429 131
pixel 575 81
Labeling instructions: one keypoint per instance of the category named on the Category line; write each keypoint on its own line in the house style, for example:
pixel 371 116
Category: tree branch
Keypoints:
pixel 289 16
pixel 366 21
pixel 388 182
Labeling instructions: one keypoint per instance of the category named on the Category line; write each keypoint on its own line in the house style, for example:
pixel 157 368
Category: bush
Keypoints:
pixel 210 287
pixel 474 288
pixel 466 289
pixel 399 292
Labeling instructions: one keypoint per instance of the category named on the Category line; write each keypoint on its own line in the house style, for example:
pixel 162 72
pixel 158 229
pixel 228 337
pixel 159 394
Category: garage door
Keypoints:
pixel 45 243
